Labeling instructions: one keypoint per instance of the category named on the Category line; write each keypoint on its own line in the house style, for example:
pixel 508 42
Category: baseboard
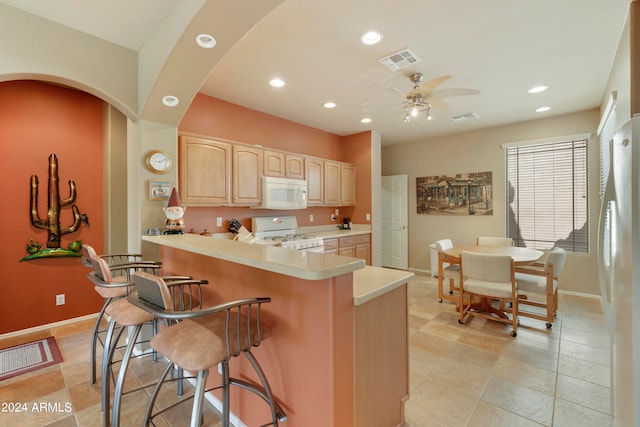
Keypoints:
pixel 48 326
pixel 579 294
pixel 421 271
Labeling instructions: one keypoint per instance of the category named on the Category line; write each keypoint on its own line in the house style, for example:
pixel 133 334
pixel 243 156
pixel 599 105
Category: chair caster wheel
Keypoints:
pixel 461 322
pixel 450 292
pixel 440 300
pixel 513 333
pixel 549 325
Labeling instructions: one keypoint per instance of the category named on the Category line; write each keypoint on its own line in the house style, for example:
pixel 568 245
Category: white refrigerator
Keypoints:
pixel 619 270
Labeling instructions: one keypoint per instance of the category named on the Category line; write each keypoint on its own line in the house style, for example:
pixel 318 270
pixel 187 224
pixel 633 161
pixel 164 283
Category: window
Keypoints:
pixel 547 194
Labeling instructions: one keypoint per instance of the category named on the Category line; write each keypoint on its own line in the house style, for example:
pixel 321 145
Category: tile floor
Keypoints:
pixel 471 375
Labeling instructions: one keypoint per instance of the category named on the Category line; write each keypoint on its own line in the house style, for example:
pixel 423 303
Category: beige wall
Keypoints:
pixel 480 151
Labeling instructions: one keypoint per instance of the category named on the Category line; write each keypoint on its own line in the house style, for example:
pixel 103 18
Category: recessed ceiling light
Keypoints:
pixel 329 105
pixel 206 41
pixel 538 89
pixel 277 83
pixel 365 120
pixel 543 109
pixel 170 100
pixel 371 37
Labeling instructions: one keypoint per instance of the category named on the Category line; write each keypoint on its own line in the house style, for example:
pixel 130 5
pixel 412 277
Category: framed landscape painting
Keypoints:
pixel 460 194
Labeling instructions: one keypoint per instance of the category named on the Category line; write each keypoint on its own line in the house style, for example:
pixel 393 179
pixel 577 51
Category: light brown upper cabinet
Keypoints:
pixel 339 183
pixel 224 173
pixel 274 163
pixel 204 171
pixel 247 175
pixel 347 184
pixel 332 183
pixel 314 172
pixel 294 166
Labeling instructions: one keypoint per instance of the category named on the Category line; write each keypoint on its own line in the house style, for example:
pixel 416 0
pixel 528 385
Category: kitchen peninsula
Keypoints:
pixel 338 355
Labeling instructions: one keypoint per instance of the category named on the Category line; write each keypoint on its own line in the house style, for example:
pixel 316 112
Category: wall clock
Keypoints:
pixel 158 161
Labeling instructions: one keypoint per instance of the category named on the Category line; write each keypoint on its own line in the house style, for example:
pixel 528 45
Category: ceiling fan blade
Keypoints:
pixel 428 87
pixel 450 92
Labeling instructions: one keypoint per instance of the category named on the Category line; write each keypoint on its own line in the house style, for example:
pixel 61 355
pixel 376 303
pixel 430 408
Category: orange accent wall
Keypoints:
pixel 216 118
pixel 37 119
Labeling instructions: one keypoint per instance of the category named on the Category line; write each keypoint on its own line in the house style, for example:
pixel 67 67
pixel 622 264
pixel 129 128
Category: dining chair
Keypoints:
pixel 538 286
pixel 489 278
pixel 447 268
pixel 204 339
pixel 494 241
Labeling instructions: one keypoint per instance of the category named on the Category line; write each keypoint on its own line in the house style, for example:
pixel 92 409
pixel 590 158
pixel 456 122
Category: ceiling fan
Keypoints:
pixel 424 96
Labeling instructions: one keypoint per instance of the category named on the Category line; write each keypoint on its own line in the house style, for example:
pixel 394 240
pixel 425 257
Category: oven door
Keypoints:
pixel 319 249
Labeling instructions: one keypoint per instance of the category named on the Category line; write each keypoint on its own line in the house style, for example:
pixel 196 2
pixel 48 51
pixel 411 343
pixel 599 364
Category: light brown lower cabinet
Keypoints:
pixel 382 357
pixel 358 246
pixel 330 246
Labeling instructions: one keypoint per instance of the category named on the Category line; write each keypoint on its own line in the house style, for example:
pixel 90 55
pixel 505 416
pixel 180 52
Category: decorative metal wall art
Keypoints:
pixel 461 194
pixel 52 221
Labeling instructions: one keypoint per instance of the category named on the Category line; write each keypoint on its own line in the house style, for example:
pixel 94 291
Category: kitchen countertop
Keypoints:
pixel 332 231
pixel 300 264
pixel 371 282
pixel 368 282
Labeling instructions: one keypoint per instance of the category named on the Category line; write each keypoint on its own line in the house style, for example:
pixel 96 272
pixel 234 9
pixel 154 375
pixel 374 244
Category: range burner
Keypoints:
pixel 281 231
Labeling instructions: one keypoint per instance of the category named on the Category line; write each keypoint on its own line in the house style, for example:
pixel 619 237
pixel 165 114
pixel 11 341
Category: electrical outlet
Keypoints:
pixel 333 217
pixel 337 212
pixel 368 217
pixel 219 221
pixel 310 217
pixel 60 299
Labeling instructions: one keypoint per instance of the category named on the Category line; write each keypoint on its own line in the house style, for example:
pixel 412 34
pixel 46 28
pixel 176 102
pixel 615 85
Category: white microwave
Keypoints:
pixel 283 193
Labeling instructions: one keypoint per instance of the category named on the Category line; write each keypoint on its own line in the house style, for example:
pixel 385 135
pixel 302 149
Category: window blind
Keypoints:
pixel 547 194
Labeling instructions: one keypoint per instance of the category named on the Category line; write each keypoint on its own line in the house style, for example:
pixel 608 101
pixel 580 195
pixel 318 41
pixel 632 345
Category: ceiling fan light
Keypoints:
pixel 414 112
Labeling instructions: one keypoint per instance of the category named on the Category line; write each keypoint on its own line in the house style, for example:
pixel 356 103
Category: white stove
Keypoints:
pixel 281 231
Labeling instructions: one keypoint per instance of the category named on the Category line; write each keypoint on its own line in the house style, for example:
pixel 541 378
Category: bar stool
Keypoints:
pixel 89 252
pixel 115 281
pixel 203 339
pixel 124 315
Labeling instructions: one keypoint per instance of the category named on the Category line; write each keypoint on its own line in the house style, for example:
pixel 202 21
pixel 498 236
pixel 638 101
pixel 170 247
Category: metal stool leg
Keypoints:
pixel 198 398
pixel 110 345
pixel 94 340
pixel 124 364
pixel 154 394
pixel 265 386
pixel 226 406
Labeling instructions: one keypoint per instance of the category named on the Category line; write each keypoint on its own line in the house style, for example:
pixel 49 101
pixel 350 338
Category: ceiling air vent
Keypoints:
pixel 400 59
pixel 465 117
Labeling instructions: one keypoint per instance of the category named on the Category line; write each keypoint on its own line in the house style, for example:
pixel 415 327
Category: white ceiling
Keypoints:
pixel 500 48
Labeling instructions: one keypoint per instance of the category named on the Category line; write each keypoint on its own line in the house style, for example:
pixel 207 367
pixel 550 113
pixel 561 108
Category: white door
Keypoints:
pixel 395 242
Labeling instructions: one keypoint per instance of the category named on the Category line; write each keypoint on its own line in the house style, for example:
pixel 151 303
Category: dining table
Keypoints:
pixel 521 256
